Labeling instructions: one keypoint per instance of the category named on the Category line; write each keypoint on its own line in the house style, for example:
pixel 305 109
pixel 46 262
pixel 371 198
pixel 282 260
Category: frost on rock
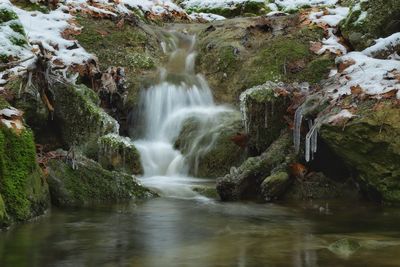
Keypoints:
pixel 205 17
pixel 212 4
pixel 11 118
pixel 384 46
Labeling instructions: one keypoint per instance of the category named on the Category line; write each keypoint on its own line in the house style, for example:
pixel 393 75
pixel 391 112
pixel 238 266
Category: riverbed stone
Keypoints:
pixel 83 182
pixel 245 181
pixel 344 247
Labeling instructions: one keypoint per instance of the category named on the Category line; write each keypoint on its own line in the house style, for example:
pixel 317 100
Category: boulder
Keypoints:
pixel 78 115
pixel 369 143
pixel 344 247
pixel 213 152
pixel 120 154
pixel 245 181
pixel 86 183
pixel 370 20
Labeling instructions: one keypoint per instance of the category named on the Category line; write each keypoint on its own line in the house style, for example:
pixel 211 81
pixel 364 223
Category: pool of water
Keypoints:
pixel 201 232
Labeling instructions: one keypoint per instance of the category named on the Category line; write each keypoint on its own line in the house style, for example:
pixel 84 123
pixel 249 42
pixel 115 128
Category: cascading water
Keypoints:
pixel 180 95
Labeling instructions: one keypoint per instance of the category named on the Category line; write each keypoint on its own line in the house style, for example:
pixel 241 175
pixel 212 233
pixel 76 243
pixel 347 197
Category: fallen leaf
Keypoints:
pixel 345 64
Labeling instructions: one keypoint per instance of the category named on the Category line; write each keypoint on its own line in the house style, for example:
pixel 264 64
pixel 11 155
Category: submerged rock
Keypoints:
pixel 344 247
pixel 263 109
pixel 88 184
pixel 370 20
pixel 368 142
pixel 244 182
pixel 209 146
pixel 22 185
pixel 120 154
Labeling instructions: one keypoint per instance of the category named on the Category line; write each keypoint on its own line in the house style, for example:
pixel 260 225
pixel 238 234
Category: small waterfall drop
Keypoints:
pixel 180 95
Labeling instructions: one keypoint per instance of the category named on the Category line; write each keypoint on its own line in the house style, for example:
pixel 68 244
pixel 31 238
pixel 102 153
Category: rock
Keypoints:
pixel 207 191
pixel 370 20
pixel 344 247
pixel 120 154
pixel 136 48
pixel 244 182
pixel 90 184
pixel 263 109
pixel 78 115
pixel 275 185
pixel 23 187
pixel 319 187
pixel 246 52
pixel 212 153
pixel 229 9
pixel 369 144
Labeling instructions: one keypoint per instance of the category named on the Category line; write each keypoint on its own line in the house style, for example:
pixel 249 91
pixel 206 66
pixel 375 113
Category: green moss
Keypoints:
pixel 369 144
pixel 90 184
pixel 18 41
pixel 381 20
pixel 17 27
pixel 135 49
pixel 78 115
pixel 7 15
pixel 29 6
pixel 22 186
pixel 248 8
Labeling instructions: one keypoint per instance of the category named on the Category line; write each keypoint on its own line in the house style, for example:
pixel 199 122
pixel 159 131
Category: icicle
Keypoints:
pixel 311 140
pixel 298 118
pixel 266 116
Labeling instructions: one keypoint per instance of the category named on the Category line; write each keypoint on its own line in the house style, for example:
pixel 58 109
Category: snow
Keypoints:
pixel 335 16
pixel 381 44
pixel 295 4
pixel 369 73
pixel 215 3
pixel 205 16
pixel 343 114
pixel 10 112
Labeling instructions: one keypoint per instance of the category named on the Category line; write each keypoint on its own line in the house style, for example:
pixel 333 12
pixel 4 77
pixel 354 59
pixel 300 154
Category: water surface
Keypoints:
pixel 200 232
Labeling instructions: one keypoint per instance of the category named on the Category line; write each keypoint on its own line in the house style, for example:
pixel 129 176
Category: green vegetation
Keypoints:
pixel 22 186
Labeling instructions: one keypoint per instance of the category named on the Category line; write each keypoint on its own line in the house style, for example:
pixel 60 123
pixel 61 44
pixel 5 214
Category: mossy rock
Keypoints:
pixel 245 181
pixel 22 184
pixel 370 20
pixel 211 153
pixel 136 48
pixel 263 110
pixel 317 186
pixel 369 143
pixel 245 8
pixel 275 185
pixel 89 184
pixel 207 191
pixel 78 115
pixel 241 53
pixel 120 154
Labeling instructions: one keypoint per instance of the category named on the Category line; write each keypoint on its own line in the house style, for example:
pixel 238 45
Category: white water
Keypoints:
pixel 165 107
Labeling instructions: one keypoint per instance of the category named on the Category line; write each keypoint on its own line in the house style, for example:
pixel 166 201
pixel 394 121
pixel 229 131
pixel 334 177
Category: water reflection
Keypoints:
pixel 173 232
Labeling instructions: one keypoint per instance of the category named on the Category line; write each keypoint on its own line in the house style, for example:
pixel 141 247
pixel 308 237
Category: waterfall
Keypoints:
pixel 164 108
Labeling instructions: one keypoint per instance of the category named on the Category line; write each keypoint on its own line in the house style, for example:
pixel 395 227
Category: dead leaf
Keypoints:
pixel 345 64
pixel 298 170
pixel 356 90
pixel 315 47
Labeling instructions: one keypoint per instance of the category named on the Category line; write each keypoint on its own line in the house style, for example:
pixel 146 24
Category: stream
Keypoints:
pixel 182 228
